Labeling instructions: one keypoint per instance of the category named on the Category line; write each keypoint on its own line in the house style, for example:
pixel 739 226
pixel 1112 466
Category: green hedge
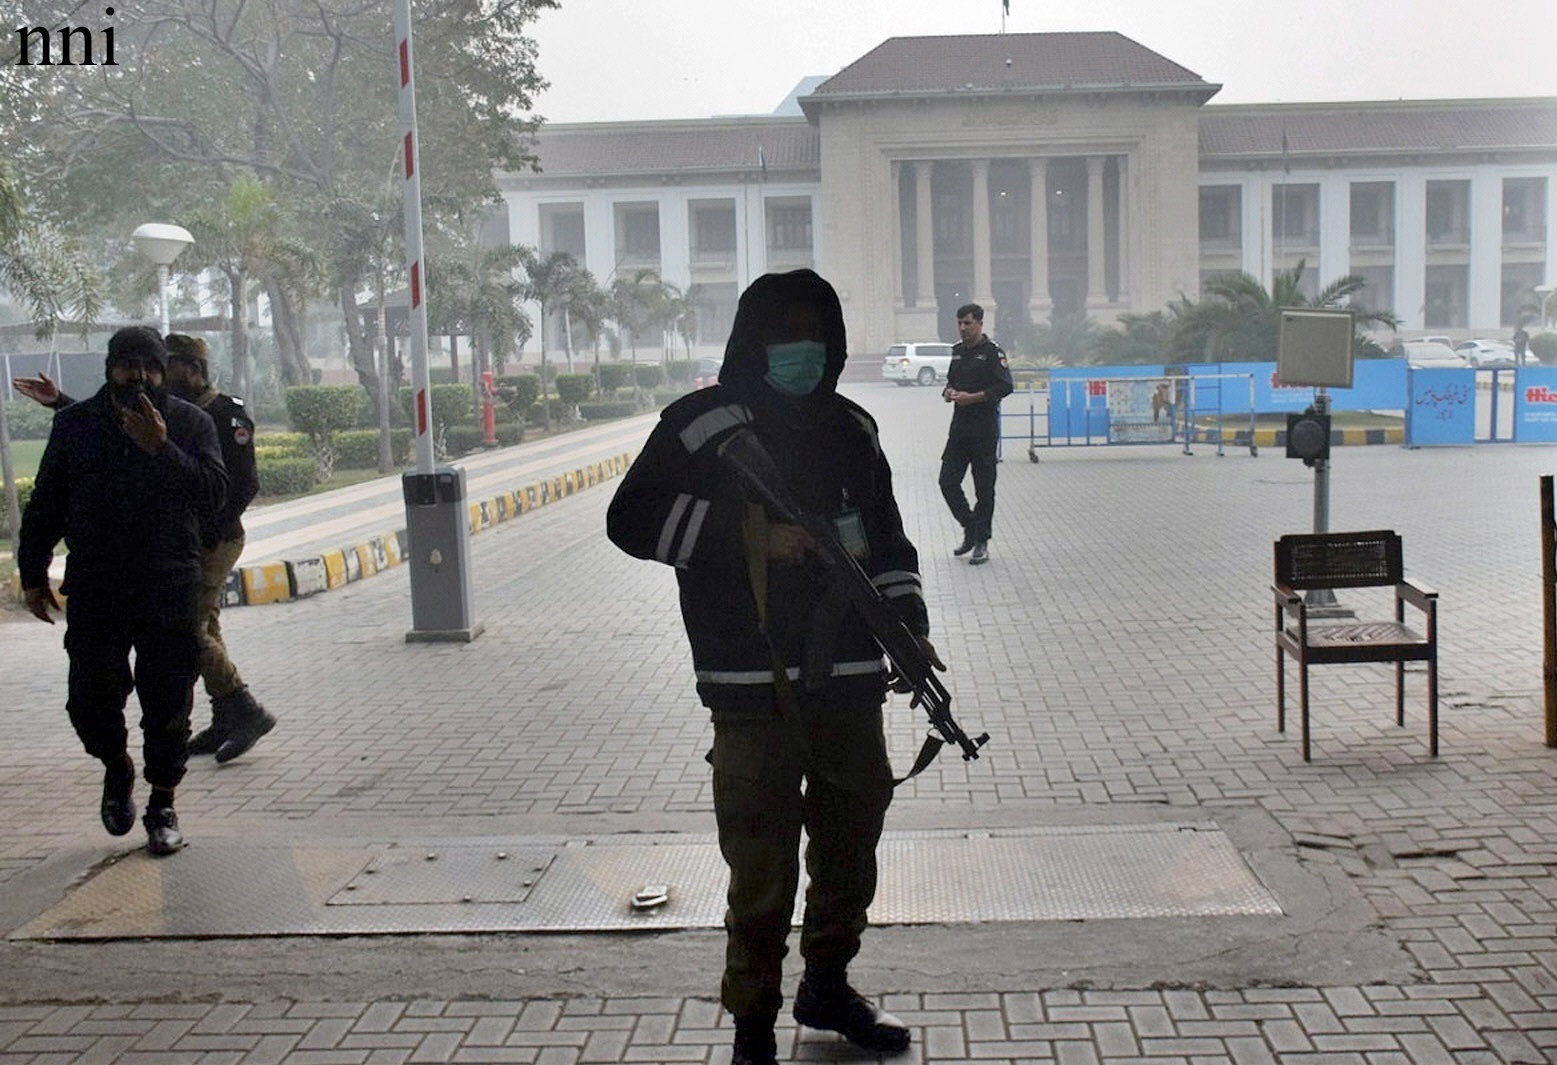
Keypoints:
pixel 614 375
pixel 358 448
pixel 287 477
pixel 615 408
pixel 321 410
pixel 520 390
pixel 679 371
pixel 574 388
pixel 463 439
pixel 26 420
pixel 282 442
pixel 1544 347
pixel 23 493
pixel 451 404
pixel 650 375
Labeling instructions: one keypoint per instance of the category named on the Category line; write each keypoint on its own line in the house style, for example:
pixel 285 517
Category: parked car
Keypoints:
pixel 1424 355
pixel 1481 352
pixel 1443 340
pixel 921 363
pixel 706 372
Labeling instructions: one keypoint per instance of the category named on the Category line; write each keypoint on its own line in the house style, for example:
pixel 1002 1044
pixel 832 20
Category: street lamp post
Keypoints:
pixel 161 244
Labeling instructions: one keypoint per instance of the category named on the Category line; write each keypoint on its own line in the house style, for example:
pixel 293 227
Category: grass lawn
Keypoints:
pixel 25 456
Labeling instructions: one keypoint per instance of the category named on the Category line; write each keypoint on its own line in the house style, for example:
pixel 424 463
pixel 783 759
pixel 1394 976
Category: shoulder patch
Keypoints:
pixel 241 435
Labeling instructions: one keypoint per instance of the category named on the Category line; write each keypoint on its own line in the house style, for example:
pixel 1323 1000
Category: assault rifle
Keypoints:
pixel 745 453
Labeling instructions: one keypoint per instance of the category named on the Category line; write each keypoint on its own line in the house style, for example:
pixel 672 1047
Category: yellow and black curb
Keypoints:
pixel 299 578
pixel 1277 438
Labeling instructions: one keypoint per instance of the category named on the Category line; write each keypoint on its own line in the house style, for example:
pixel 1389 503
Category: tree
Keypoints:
pixel 245 238
pixel 296 93
pixel 1142 339
pixel 549 281
pixel 42 267
pixel 1239 320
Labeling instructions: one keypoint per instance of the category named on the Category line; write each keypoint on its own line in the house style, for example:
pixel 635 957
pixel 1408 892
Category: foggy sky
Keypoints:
pixel 627 59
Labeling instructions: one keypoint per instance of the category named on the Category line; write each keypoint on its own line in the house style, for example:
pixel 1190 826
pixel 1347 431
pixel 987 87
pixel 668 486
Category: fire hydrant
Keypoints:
pixel 488 409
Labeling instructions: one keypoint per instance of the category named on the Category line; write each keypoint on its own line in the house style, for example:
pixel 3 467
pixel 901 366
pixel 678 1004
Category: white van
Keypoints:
pixel 917 363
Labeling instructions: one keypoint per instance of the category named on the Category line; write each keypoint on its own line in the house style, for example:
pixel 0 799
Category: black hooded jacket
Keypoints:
pixel 131 520
pixel 680 504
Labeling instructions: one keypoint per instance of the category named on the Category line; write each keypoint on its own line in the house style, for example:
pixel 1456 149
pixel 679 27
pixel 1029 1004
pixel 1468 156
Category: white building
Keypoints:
pixel 909 180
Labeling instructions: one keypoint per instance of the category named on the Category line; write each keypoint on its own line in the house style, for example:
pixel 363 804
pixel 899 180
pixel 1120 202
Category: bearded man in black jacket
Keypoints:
pixel 129 478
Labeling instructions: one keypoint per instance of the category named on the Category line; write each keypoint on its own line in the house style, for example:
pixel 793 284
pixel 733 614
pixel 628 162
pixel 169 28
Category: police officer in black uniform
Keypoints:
pixel 977 380
pixel 129 478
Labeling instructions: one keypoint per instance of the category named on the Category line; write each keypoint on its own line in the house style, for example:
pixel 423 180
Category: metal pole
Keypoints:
pixel 1322 601
pixel 437 527
pixel 162 297
pixel 1549 606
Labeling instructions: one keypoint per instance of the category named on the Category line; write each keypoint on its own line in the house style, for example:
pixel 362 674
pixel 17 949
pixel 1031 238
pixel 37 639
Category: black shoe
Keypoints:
pixel 162 834
pixel 980 554
pixel 964 547
pixel 249 722
pixel 843 1010
pixel 118 808
pixel 754 1043
pixel 206 741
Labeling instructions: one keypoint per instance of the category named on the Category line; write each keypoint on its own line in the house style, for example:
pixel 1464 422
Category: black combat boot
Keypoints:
pixel 754 1041
pixel 249 721
pixel 118 805
pixel 209 740
pixel 826 1001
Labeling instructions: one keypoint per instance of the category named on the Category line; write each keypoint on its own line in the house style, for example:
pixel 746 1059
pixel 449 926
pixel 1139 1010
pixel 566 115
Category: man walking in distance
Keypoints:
pixel 128 479
pixel 237 718
pixel 790 674
pixel 976 382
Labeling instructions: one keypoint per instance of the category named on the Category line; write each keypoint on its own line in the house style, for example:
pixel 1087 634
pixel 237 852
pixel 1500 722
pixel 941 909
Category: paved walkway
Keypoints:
pixel 1117 648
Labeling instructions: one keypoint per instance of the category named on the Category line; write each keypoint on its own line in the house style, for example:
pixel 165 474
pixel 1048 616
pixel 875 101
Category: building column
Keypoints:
pixel 1097 290
pixel 895 205
pixel 1335 229
pixel 1123 164
pixel 1484 296
pixel 1039 305
pixel 1410 298
pixel 924 233
pixel 982 294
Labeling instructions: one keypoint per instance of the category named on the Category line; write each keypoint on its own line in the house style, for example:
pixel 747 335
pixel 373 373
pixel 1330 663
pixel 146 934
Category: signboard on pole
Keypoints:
pixel 1315 348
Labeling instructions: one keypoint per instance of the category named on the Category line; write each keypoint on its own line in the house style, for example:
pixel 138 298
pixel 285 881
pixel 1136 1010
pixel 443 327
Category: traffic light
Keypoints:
pixel 1308 436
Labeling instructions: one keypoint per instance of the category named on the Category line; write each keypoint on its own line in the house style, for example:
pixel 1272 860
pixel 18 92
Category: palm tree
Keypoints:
pixel 247 238
pixel 44 269
pixel 636 303
pixel 47 272
pixel 1240 321
pixel 550 280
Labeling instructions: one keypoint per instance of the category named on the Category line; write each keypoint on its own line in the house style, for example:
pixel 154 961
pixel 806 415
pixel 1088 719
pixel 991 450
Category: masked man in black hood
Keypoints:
pixel 795 685
pixel 127 480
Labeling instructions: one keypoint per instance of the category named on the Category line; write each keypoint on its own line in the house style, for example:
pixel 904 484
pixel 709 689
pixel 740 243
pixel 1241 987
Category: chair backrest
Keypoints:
pixel 1339 560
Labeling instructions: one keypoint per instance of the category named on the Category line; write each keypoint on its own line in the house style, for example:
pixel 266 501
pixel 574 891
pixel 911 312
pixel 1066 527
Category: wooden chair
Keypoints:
pixel 1350 560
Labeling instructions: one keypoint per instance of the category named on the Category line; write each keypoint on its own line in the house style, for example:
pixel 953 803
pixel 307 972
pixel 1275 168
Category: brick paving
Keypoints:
pixel 1117 648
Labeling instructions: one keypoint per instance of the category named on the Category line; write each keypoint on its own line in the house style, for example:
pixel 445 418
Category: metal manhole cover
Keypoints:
pixel 435 876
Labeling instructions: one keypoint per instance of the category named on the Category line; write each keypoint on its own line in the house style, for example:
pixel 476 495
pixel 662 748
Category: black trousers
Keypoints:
pixel 102 629
pixel 830 775
pixel 979 452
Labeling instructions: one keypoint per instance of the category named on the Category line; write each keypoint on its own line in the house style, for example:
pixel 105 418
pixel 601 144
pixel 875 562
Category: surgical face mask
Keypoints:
pixel 796 368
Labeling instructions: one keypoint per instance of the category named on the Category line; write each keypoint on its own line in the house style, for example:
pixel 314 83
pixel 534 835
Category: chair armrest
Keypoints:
pixel 1291 604
pixel 1417 594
